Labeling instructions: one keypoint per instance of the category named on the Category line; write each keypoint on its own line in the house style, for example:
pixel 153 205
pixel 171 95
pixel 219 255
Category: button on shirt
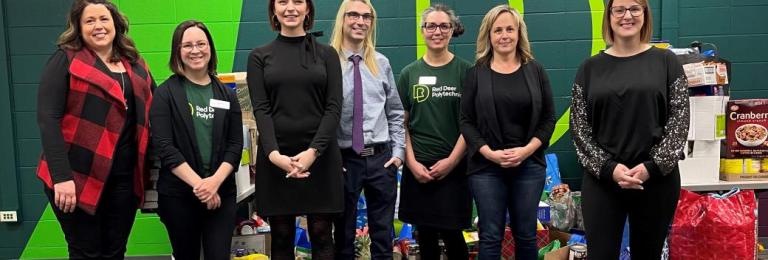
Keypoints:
pixel 382 108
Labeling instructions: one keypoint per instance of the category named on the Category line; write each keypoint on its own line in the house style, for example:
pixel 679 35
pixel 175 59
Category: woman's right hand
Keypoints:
pixel 213 203
pixel 419 171
pixel 281 161
pixel 622 176
pixel 64 196
pixel 500 157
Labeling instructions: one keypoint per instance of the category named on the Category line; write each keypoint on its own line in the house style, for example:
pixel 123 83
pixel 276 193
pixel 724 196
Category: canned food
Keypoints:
pixel 752 166
pixel 578 252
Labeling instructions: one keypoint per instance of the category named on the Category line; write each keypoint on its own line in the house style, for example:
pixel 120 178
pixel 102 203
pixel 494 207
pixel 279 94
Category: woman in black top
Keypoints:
pixel 507 118
pixel 629 122
pixel 92 103
pixel 197 134
pixel 295 85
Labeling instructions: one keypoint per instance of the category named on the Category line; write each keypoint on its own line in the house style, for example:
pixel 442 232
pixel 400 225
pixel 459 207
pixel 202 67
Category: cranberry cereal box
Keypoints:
pixel 746 131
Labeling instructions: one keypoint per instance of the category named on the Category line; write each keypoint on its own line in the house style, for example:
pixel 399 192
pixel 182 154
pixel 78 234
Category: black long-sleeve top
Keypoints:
pixel 480 113
pixel 630 110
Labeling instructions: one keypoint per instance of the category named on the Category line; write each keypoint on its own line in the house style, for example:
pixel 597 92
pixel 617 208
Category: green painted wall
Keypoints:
pixel 561 32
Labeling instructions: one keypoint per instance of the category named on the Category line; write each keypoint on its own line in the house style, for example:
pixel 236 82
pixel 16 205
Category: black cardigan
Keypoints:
pixel 173 135
pixel 479 118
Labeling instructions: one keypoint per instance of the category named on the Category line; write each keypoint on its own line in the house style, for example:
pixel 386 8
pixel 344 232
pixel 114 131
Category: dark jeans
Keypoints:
pixel 380 185
pixel 103 235
pixel 606 207
pixel 190 223
pixel 429 248
pixel 497 190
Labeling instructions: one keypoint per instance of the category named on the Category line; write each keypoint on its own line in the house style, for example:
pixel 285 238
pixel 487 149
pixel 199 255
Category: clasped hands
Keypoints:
pixel 296 166
pixel 630 178
pixel 511 157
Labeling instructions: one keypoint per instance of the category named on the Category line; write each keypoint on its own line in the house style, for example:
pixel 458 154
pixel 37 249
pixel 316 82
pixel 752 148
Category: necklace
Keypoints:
pixel 122 86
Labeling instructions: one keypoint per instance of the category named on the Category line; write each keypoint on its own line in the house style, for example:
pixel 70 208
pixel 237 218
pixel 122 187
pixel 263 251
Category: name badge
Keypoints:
pixel 427 80
pixel 219 104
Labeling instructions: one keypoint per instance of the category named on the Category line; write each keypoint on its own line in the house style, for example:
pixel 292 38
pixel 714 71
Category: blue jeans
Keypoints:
pixel 497 190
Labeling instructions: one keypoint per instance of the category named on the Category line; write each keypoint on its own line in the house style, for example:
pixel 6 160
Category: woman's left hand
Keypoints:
pixel 207 188
pixel 639 172
pixel 518 155
pixel 441 168
pixel 301 163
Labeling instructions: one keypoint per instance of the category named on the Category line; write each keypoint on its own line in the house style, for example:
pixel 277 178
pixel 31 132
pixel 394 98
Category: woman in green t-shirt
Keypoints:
pixel 197 134
pixel 435 195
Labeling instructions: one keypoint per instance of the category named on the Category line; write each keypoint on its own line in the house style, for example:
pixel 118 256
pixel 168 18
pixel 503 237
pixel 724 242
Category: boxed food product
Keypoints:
pixel 746 133
pixel 237 81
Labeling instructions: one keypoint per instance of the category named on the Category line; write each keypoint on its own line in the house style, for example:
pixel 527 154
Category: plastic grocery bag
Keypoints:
pixel 714 226
pixel 562 211
pixel 553 172
pixel 554 245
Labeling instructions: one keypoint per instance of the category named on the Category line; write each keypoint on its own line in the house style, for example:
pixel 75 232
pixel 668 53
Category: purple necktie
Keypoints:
pixel 357 107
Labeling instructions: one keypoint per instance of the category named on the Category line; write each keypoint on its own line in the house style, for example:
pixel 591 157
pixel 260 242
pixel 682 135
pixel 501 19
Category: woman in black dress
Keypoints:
pixel 295 85
pixel 629 121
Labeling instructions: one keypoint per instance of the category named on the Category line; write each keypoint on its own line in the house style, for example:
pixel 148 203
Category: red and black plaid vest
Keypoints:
pixel 94 116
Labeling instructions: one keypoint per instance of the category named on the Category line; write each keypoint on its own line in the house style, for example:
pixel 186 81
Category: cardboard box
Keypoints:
pixel 744 176
pixel 746 124
pixel 707 121
pixel 561 254
pixel 699 170
pixel 238 82
pixel 258 243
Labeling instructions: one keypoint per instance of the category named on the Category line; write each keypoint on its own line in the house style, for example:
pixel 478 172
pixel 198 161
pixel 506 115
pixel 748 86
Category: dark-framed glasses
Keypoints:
pixel 432 27
pixel 635 11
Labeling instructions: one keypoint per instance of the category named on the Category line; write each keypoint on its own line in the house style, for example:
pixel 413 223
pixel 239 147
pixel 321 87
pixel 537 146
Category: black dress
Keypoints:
pixel 295 85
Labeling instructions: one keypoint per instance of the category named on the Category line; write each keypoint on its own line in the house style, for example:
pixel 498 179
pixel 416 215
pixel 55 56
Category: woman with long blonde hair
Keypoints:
pixel 507 120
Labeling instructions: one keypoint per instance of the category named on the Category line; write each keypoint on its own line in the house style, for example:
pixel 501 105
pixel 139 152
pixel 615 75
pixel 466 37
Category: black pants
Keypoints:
pixel 284 232
pixel 606 206
pixel 429 247
pixel 103 235
pixel 190 223
pixel 380 185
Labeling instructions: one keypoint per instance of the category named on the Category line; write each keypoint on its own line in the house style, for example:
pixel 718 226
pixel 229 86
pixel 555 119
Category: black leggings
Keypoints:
pixel 606 207
pixel 284 231
pixel 456 248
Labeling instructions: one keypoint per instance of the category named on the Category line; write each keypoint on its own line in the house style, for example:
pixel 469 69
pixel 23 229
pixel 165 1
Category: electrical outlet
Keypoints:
pixel 8 216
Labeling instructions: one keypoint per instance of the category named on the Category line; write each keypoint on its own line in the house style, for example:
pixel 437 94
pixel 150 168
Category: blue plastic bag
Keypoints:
pixel 553 172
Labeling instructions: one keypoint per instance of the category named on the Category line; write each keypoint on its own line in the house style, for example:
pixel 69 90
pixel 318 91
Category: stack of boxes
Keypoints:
pixel 746 146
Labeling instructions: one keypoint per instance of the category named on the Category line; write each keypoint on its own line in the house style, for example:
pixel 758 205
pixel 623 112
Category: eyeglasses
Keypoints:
pixel 620 11
pixel 356 16
pixel 432 27
pixel 190 46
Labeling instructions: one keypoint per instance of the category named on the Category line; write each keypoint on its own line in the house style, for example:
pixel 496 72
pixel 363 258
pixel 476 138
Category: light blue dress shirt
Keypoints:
pixel 383 112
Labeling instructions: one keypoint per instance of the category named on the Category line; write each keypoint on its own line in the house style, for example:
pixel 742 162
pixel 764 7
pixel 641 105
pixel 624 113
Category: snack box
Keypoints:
pixel 746 128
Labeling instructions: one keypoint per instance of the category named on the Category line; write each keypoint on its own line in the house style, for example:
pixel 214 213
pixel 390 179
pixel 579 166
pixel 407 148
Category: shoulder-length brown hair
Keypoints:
pixel 309 21
pixel 176 65
pixel 122 45
pixel 646 32
pixel 484 51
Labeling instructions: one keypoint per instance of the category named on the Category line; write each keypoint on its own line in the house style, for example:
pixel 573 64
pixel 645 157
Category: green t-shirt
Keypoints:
pixel 432 98
pixel 199 98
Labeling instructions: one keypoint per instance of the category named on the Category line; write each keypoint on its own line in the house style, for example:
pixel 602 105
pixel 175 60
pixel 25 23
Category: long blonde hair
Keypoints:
pixel 369 44
pixel 484 51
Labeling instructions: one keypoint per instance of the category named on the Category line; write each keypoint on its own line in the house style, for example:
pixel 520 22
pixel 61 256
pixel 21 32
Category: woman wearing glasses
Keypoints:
pixel 435 194
pixel 197 134
pixel 630 168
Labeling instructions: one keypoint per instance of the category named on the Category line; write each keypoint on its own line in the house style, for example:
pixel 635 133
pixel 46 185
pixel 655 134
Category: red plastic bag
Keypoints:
pixel 708 227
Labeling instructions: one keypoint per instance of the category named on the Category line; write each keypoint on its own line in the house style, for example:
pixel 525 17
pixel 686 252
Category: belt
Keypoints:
pixel 369 150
